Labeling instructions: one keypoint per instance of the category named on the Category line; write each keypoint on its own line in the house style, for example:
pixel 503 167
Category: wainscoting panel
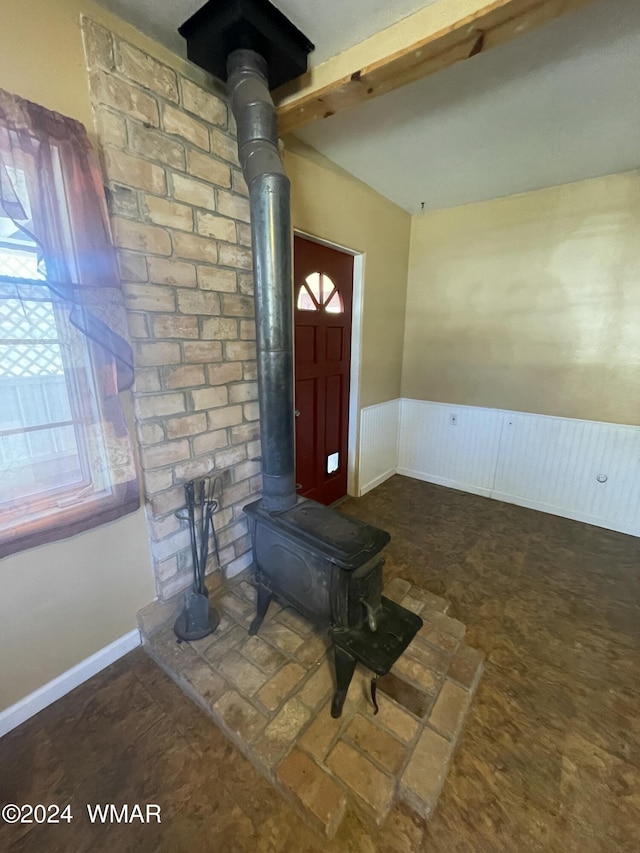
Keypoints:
pixel 451 445
pixel 584 470
pixel 578 469
pixel 378 444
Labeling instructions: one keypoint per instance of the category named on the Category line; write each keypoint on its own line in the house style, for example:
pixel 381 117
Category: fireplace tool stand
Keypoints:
pixel 198 619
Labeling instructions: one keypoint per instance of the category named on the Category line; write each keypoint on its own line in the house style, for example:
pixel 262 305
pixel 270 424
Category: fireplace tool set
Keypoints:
pixel 198 619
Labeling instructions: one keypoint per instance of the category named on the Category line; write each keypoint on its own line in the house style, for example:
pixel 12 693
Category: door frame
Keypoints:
pixel 356 348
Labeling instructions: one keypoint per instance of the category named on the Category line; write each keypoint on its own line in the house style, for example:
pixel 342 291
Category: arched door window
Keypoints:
pixel 319 293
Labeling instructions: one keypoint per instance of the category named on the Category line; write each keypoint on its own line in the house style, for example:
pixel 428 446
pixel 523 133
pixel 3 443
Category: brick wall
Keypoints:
pixel 179 215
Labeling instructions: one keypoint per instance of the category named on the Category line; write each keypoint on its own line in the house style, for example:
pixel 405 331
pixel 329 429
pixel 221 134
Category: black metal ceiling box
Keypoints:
pixel 344 541
pixel 222 26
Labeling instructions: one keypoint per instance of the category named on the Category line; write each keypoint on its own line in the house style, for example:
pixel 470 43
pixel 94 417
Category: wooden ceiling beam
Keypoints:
pixel 488 26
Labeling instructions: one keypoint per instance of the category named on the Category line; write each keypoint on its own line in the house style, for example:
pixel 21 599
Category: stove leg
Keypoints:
pixel 264 600
pixel 374 688
pixel 345 666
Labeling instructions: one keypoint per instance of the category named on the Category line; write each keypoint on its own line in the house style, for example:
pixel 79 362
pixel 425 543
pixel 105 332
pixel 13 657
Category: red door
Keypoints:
pixel 323 290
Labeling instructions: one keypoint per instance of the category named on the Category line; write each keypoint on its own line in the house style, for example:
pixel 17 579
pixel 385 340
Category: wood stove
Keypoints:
pixel 329 567
pixel 325 564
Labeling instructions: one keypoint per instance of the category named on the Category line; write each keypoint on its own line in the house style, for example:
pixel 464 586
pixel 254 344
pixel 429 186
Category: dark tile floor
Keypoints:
pixel 550 756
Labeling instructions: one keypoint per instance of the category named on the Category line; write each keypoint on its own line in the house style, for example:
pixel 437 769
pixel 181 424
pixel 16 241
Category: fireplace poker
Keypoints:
pixel 204 535
pixel 206 522
pixel 189 493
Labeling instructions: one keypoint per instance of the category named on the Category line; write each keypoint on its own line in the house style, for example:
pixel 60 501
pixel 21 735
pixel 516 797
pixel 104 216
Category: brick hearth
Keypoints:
pixel 271 695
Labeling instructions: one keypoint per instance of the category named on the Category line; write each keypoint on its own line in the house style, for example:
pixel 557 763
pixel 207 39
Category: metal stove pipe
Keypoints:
pixel 269 198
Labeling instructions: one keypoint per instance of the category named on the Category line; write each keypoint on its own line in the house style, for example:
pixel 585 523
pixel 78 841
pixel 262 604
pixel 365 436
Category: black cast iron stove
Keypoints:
pixel 329 567
pixel 324 563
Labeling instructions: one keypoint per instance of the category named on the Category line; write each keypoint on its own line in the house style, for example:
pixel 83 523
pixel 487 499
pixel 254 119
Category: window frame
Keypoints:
pixel 33 512
pixel 64 219
pixel 321 303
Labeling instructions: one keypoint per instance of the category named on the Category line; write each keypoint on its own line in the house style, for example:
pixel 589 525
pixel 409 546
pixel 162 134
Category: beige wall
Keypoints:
pixel 61 603
pixel 42 56
pixel 530 303
pixel 332 205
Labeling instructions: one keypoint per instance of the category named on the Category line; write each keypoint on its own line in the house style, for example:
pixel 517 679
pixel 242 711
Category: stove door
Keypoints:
pixel 295 573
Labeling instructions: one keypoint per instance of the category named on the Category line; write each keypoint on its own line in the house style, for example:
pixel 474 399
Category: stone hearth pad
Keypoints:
pixel 271 695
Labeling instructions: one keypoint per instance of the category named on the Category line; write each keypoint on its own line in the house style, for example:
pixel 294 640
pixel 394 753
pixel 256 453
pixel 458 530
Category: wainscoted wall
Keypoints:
pixel 585 470
pixel 555 464
pixel 379 427
pixel 462 455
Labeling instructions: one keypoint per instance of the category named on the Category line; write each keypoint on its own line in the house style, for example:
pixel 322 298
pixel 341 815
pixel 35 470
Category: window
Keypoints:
pixel 66 460
pixel 319 293
pixel 40 448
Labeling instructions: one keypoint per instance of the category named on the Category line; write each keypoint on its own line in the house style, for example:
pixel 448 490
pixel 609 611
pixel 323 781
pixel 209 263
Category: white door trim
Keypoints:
pixel 356 349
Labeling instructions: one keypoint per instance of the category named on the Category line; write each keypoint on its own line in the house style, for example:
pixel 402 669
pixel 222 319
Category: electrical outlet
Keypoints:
pixel 453 420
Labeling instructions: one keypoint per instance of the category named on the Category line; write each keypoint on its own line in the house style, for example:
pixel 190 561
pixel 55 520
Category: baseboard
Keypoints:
pixel 585 518
pixel 445 481
pixel 516 500
pixel 16 714
pixel 377 481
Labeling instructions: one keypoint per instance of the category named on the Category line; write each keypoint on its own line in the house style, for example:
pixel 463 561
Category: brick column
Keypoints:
pixel 180 214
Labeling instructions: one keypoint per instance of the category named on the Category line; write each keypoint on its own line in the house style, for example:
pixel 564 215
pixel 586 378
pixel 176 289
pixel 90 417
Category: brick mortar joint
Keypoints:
pixel 180 73
pixel 187 145
pixel 127 144
pixel 172 170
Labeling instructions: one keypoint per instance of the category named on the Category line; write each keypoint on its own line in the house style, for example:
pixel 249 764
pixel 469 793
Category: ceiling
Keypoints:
pixel 339 25
pixel 559 104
